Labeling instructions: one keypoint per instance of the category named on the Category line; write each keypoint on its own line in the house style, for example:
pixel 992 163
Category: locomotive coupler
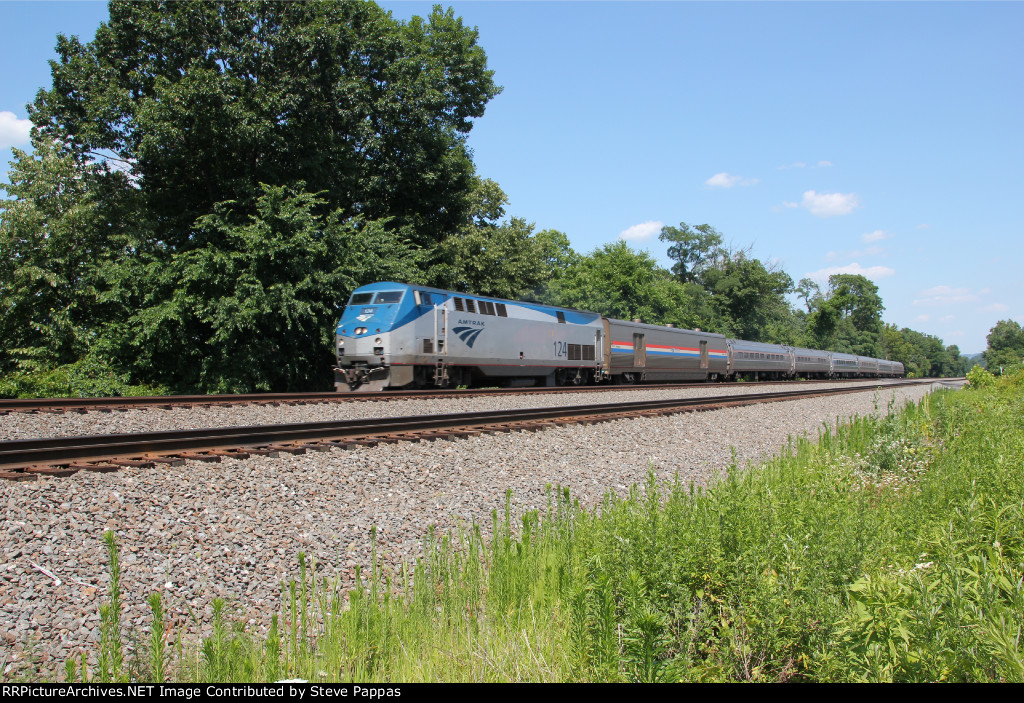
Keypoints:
pixel 357 376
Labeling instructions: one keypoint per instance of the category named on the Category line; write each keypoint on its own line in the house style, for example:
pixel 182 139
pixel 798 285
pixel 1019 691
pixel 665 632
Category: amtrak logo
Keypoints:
pixel 468 334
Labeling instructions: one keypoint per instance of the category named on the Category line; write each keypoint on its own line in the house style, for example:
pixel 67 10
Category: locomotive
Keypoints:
pixel 394 335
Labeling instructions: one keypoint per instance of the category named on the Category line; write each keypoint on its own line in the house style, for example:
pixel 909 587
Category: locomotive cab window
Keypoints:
pixel 561 316
pixel 388 297
pixel 360 298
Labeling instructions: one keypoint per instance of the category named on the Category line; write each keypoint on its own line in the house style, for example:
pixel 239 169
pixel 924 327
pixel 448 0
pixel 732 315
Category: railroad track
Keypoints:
pixel 26 459
pixel 83 405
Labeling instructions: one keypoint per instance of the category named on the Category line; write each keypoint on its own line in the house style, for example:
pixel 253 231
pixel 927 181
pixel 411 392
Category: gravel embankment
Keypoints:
pixel 31 425
pixel 235 529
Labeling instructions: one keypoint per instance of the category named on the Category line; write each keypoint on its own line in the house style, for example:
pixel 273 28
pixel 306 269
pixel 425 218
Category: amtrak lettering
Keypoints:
pixel 478 323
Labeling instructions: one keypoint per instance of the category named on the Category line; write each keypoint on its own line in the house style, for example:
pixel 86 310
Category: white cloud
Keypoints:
pixel 946 295
pixel 923 226
pixel 924 318
pixel 871 272
pixel 786 205
pixel 644 230
pixel 996 307
pixel 823 164
pixel 13 132
pixel 876 236
pixel 724 180
pixel 946 318
pixel 830 204
pixel 798 164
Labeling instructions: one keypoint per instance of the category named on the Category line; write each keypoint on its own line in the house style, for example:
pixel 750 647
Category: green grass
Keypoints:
pixel 890 550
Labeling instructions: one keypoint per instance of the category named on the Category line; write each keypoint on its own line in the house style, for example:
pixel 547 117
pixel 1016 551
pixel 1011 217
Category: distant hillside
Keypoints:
pixel 973 359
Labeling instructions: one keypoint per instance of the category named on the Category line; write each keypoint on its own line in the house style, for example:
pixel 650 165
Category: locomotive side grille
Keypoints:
pixel 501 310
pixel 428 346
pixel 459 306
pixel 589 352
pixel 575 352
pixel 470 305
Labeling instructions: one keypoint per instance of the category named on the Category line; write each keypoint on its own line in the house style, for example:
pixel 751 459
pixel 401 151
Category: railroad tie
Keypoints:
pixel 99 467
pixel 51 470
pixel 132 463
pixel 166 460
pixel 287 448
pixel 194 456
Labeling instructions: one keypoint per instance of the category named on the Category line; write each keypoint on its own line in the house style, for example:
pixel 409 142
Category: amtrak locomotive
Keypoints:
pixel 393 335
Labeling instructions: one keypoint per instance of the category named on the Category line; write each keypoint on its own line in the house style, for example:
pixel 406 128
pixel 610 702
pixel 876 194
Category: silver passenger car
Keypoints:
pixel 812 363
pixel 638 352
pixel 758 360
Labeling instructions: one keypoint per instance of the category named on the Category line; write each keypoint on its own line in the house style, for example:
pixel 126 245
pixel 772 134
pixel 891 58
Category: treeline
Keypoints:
pixel 1005 350
pixel 208 183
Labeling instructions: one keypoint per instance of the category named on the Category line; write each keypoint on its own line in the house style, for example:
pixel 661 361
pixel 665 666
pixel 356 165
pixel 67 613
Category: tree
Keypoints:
pixel 848 318
pixel 257 313
pixel 200 103
pixel 621 283
pixel 486 257
pixel 1005 345
pixel 810 292
pixel 52 255
pixel 749 297
pixel 856 297
pixel 692 248
pixel 236 169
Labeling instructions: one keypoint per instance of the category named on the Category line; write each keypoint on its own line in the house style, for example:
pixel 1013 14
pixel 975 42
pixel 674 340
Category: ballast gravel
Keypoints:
pixel 17 425
pixel 235 529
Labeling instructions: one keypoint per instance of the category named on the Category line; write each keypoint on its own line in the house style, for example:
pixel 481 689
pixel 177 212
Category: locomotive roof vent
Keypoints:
pixel 637 319
pixel 669 324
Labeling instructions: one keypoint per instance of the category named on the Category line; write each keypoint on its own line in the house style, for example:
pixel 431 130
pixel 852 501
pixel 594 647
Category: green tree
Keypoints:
pixel 621 283
pixel 258 312
pixel 1005 345
pixel 847 318
pixel 487 257
pixel 188 246
pixel 53 250
pixel 693 249
pixel 810 292
pixel 749 297
pixel 857 298
pixel 201 102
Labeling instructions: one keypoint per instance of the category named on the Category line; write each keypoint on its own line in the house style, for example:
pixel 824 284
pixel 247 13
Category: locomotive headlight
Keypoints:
pixel 377 341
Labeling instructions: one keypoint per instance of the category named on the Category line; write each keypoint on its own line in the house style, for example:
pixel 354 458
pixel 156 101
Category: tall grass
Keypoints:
pixel 890 550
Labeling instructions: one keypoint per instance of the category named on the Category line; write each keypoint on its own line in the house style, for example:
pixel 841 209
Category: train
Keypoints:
pixel 395 335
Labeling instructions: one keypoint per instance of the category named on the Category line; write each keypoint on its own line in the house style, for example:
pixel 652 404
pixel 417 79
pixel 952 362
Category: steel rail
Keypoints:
pixel 57 405
pixel 25 454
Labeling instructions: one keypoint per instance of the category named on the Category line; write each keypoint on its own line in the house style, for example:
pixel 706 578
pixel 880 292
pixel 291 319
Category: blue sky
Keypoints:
pixel 876 138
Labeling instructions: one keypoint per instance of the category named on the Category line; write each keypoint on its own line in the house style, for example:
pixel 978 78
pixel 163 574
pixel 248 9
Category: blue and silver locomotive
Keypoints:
pixel 394 335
